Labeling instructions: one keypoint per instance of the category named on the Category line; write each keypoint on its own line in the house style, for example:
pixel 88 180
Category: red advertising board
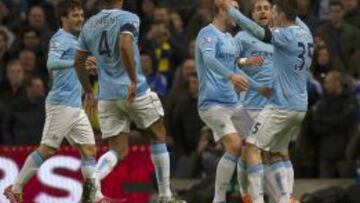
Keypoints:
pixel 59 179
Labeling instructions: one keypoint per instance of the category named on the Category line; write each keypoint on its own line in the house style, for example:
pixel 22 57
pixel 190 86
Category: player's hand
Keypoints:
pixel 131 93
pixel 90 65
pixel 223 4
pixel 240 82
pixel 265 91
pixel 90 104
pixel 255 61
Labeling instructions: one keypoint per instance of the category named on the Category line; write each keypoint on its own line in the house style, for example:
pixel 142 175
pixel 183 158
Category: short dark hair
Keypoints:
pixel 336 3
pixel 29 29
pixel 64 7
pixel 289 7
pixel 108 3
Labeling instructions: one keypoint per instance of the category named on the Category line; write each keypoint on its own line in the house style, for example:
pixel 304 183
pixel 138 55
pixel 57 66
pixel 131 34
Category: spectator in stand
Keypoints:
pixel 178 93
pixel 333 122
pixel 352 9
pixel 191 49
pixel 37 19
pixel 305 13
pixel 201 18
pixel 19 125
pixel 342 38
pixel 187 123
pixel 177 37
pixel 27 60
pixel 4 53
pixel 158 42
pixel 157 82
pixel 8 17
pixel 201 163
pixel 31 39
pixel 319 41
pixel 324 63
pixel 145 10
pixel 12 88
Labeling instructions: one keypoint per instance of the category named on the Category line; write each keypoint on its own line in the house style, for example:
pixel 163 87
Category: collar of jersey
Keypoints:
pixel 68 34
pixel 217 30
pixel 110 10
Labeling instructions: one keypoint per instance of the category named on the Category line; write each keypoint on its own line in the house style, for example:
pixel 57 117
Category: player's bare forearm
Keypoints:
pixel 127 55
pixel 81 71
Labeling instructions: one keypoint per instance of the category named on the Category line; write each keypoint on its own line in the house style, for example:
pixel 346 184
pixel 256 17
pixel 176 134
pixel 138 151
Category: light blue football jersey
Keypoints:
pixel 66 88
pixel 100 37
pixel 215 89
pixel 251 46
pixel 293 50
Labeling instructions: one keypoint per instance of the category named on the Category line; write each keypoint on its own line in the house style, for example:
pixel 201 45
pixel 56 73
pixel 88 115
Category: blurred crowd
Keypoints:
pixel 328 140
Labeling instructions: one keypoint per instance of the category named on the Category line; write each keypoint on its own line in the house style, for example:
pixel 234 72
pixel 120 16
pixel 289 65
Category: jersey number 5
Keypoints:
pixel 306 51
pixel 104 45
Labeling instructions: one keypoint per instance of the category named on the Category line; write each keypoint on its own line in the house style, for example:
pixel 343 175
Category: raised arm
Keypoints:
pixel 244 22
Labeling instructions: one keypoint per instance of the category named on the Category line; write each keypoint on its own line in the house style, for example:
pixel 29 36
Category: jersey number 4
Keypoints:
pixel 104 48
pixel 306 51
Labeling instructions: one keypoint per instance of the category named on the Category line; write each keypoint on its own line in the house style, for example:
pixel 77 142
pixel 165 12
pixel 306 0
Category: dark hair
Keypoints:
pixel 139 5
pixel 64 7
pixel 108 3
pixel 254 2
pixel 336 3
pixel 29 81
pixel 289 7
pixel 29 29
pixel 11 63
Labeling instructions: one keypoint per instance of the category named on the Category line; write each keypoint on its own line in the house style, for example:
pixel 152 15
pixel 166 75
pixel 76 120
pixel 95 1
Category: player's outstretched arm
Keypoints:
pixel 127 57
pixel 244 22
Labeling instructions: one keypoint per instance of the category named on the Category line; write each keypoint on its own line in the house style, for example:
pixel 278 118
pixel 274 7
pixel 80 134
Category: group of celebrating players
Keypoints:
pixel 268 63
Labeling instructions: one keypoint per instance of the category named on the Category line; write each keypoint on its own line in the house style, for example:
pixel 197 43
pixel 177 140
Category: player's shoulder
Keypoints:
pixel 125 16
pixel 243 35
pixel 129 14
pixel 207 31
pixel 58 35
pixel 285 32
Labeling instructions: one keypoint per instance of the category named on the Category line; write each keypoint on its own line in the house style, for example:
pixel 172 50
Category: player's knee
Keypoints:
pixel 233 144
pixel 275 157
pixel 122 151
pixel 253 154
pixel 157 131
pixel 46 151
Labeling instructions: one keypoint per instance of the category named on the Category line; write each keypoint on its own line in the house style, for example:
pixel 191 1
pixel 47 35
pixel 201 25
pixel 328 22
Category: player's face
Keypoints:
pixel 230 23
pixel 277 17
pixel 262 12
pixel 75 20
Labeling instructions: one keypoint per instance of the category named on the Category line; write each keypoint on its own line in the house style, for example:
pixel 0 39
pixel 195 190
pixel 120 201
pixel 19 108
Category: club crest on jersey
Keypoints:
pixel 206 40
pixel 54 45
